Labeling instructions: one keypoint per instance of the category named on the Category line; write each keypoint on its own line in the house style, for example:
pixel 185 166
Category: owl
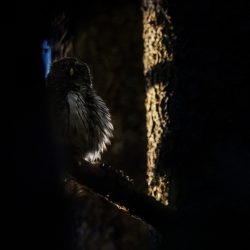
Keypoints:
pixel 79 118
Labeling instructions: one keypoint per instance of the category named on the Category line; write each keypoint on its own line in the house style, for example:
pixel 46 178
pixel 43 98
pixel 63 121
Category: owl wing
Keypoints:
pixel 101 129
pixel 78 121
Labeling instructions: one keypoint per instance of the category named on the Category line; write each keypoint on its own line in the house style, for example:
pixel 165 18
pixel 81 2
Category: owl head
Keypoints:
pixel 69 74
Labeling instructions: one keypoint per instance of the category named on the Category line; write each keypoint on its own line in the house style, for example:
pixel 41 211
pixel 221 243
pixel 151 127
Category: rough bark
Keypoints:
pixel 158 58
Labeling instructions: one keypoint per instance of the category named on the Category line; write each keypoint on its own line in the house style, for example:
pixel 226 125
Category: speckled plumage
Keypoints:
pixel 79 117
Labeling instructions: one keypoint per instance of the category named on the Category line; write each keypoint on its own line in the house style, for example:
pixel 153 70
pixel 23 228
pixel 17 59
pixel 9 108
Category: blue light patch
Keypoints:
pixel 46 57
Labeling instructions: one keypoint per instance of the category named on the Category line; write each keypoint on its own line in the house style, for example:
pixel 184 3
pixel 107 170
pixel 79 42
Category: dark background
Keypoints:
pixel 210 114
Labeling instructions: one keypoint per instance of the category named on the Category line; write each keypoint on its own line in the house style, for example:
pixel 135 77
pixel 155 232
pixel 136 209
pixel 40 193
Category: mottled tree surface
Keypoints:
pixel 158 37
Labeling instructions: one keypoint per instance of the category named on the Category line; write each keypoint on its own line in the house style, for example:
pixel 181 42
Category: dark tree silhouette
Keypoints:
pixel 201 143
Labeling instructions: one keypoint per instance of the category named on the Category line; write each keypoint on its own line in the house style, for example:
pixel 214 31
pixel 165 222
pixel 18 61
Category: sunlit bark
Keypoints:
pixel 158 57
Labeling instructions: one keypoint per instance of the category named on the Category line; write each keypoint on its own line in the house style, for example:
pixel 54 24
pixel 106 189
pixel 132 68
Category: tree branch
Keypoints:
pixel 115 186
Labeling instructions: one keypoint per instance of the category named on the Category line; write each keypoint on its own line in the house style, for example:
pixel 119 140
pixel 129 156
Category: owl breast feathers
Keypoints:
pixel 79 117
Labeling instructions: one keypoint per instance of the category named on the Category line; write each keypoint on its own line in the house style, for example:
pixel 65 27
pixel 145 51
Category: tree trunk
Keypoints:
pixel 158 58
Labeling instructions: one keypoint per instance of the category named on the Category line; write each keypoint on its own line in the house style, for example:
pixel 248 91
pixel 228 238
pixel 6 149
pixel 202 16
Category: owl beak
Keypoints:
pixel 71 71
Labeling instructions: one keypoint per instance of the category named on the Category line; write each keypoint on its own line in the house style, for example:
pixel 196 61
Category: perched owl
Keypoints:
pixel 79 117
